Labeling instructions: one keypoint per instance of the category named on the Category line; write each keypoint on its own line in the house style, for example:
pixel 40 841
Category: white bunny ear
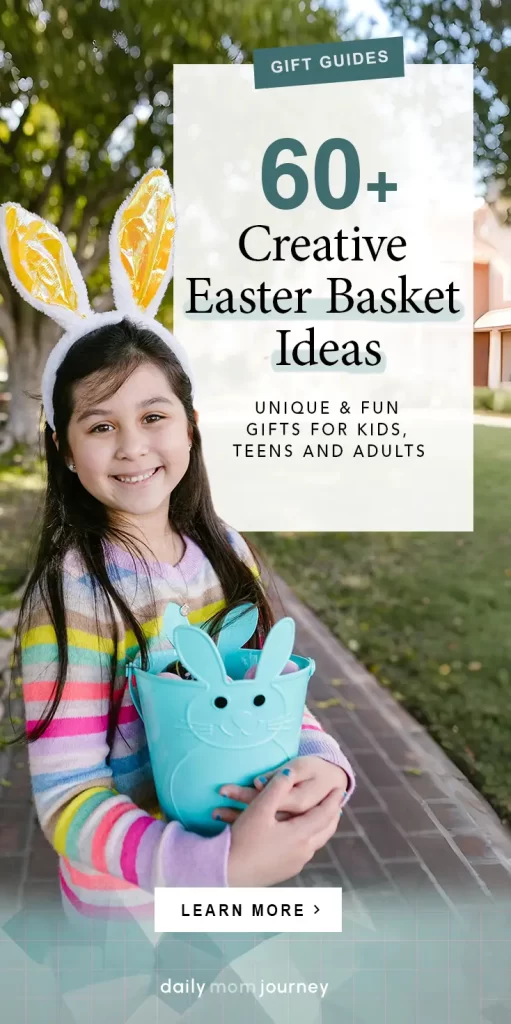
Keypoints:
pixel 141 245
pixel 42 267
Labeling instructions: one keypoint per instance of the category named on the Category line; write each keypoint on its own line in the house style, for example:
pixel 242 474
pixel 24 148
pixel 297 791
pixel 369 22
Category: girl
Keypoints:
pixel 128 526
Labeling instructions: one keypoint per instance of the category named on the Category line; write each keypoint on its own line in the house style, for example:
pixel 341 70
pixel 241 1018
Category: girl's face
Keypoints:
pixel 130 450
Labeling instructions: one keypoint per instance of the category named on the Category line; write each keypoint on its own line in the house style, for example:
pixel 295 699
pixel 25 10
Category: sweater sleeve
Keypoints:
pixel 82 815
pixel 315 741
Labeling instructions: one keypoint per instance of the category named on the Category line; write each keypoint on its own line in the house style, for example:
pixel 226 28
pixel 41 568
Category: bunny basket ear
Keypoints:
pixel 42 267
pixel 141 245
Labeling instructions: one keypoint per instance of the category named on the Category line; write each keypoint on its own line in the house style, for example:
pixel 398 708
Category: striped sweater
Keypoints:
pixel 96 801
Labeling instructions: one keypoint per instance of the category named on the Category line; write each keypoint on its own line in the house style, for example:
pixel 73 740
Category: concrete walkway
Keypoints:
pixel 492 421
pixel 414 829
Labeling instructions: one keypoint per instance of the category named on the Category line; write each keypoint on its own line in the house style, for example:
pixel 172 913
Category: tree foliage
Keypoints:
pixel 86 93
pixel 86 107
pixel 477 32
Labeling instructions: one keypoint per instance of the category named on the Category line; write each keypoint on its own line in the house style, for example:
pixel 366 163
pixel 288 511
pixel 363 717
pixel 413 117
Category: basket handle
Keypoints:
pixel 130 675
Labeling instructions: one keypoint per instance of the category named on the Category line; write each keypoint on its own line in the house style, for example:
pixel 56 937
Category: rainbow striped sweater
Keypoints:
pixel 96 802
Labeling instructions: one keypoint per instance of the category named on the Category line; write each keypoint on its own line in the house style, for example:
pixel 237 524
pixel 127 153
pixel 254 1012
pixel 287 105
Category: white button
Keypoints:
pixel 248 910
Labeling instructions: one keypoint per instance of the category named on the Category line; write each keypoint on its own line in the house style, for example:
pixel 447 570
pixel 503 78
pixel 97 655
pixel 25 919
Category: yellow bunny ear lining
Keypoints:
pixel 42 267
pixel 141 245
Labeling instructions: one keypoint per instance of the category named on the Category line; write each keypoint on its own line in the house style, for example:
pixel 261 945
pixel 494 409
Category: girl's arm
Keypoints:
pixel 80 812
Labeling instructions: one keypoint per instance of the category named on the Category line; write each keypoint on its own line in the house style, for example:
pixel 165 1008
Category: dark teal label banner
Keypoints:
pixel 332 62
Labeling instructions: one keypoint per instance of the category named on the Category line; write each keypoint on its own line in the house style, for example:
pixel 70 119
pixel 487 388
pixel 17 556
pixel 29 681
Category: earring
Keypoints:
pixel 189 447
pixel 72 467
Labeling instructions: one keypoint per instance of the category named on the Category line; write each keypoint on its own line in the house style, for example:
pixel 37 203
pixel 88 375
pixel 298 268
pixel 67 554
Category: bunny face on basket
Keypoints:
pixel 240 699
pixel 234 716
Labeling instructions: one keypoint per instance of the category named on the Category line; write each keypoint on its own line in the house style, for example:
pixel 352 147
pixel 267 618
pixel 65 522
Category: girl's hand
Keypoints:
pixel 313 777
pixel 265 851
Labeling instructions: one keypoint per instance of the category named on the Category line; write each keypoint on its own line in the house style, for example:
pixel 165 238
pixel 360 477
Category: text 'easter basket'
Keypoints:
pixel 237 716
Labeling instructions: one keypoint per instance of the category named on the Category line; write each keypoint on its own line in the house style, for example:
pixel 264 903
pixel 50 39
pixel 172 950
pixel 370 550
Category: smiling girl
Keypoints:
pixel 128 526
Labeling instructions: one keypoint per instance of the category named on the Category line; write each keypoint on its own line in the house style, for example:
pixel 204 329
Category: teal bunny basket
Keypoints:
pixel 208 731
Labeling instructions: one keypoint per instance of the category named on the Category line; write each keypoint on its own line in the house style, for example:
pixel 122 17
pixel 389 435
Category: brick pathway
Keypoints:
pixel 415 826
pixel 404 835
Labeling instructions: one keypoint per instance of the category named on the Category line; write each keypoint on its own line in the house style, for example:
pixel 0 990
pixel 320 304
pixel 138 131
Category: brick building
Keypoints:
pixel 492 299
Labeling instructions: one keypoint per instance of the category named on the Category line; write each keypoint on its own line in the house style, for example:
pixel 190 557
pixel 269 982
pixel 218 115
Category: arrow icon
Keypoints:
pixel 316 909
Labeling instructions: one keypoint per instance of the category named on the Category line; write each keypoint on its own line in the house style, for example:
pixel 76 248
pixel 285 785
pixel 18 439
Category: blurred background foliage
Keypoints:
pixel 474 32
pixel 86 107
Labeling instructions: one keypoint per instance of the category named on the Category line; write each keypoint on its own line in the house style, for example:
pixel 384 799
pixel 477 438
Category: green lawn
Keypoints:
pixel 21 483
pixel 429 615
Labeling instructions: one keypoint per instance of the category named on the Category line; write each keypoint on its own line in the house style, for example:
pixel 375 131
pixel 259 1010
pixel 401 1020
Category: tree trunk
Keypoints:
pixel 29 337
pixel 33 341
pixel 24 380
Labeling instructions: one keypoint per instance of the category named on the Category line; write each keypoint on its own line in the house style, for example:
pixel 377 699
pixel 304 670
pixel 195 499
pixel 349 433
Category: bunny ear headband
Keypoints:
pixel 44 271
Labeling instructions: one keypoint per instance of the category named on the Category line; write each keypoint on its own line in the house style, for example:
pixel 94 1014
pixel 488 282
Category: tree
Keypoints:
pixel 86 107
pixel 455 31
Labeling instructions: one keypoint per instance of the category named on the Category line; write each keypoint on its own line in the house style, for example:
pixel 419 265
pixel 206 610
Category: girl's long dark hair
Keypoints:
pixel 74 520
